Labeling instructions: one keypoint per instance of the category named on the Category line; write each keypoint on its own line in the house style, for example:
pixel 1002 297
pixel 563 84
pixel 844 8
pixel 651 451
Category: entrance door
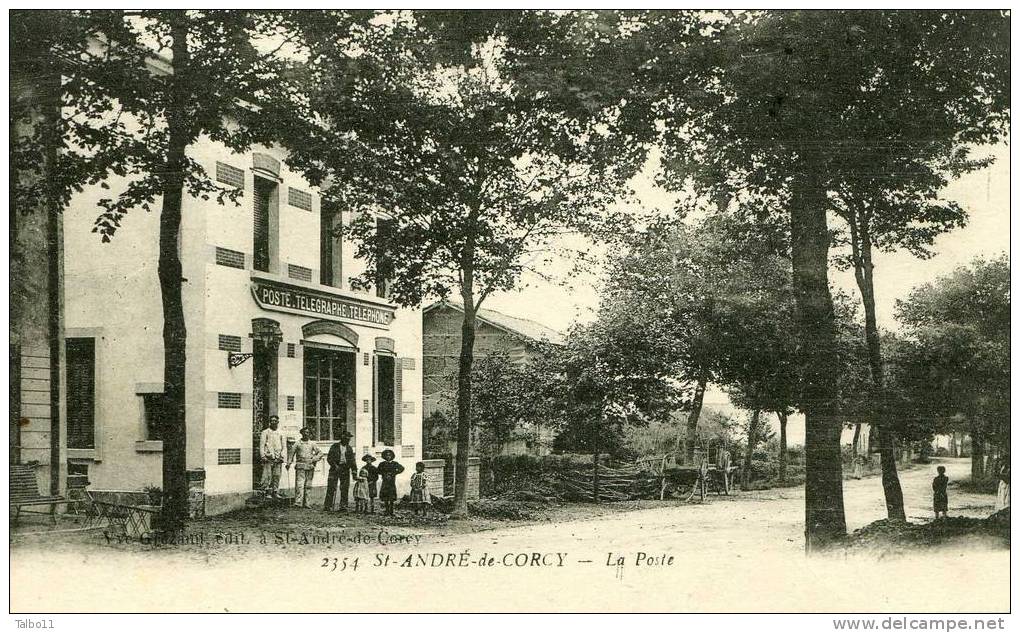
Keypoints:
pixel 264 374
pixel 329 392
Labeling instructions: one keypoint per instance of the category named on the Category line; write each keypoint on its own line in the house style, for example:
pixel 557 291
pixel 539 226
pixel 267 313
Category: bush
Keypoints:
pixel 501 509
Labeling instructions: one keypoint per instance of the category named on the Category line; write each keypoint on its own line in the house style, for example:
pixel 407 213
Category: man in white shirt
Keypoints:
pixel 304 457
pixel 271 448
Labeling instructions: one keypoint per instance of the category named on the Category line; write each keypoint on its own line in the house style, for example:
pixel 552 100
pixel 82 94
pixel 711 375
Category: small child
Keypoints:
pixel 388 471
pixel 373 482
pixel 940 486
pixel 361 488
pixel 420 497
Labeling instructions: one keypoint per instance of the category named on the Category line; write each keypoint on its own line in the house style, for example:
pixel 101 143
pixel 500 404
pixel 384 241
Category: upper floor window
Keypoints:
pixel 266 225
pixel 330 245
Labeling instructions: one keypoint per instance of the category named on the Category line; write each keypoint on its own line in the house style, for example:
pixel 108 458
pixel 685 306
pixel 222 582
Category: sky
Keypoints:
pixel 569 297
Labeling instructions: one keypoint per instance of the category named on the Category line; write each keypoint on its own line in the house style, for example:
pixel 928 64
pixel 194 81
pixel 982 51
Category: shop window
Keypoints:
pixel 383 262
pixel 81 392
pixel 330 245
pixel 154 411
pixel 329 398
pixel 265 225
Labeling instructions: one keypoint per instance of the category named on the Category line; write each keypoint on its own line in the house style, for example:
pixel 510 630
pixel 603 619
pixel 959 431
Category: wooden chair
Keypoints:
pixel 25 492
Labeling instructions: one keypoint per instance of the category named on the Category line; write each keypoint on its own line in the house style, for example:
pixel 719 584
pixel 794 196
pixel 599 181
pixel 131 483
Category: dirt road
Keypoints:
pixel 742 553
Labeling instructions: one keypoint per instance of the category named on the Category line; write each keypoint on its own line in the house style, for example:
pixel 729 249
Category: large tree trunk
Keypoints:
pixel 783 456
pixel 692 419
pixel 864 274
pixel 752 439
pixel 174 435
pixel 825 521
pixel 467 350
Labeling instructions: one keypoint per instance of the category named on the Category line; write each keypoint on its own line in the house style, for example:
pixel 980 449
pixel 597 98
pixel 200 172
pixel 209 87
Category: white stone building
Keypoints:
pixel 273 327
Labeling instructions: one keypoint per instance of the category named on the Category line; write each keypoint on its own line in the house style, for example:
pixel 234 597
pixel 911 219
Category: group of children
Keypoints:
pixel 369 475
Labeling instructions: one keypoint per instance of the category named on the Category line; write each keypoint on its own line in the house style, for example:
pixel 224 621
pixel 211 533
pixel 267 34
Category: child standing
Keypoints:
pixel 373 481
pixel 388 471
pixel 361 489
pixel 420 497
pixel 940 487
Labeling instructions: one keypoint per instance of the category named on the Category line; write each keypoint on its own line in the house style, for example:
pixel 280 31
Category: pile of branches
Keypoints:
pixel 570 478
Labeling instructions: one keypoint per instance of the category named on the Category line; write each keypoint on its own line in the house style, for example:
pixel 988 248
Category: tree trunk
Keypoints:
pixel 783 457
pixel 977 454
pixel 467 350
pixel 692 419
pixel 864 274
pixel 825 521
pixel 752 439
pixel 174 435
pixel 595 479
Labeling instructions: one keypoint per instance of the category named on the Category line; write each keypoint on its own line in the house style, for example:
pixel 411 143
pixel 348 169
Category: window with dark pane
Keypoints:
pixel 329 392
pixel 81 392
pixel 385 390
pixel 330 245
pixel 264 191
pixel 155 413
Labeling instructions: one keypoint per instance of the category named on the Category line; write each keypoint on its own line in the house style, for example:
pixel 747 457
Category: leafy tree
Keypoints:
pixel 601 387
pixel 509 400
pixel 792 106
pixel 476 175
pixel 953 361
pixel 135 93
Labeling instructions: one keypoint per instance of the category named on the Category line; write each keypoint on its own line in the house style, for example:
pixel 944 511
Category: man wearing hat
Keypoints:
pixel 271 450
pixel 342 466
pixel 304 457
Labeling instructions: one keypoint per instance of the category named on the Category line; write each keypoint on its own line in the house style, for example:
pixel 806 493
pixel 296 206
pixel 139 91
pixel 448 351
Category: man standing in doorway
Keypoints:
pixel 271 451
pixel 341 467
pixel 305 456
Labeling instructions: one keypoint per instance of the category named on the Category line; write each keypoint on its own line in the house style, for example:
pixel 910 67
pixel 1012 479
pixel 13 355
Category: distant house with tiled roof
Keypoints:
pixel 495 332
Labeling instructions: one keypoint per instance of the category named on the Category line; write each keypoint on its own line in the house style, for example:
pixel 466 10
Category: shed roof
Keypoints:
pixel 515 325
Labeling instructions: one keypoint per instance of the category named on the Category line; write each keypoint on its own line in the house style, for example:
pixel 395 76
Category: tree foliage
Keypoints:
pixel 952 363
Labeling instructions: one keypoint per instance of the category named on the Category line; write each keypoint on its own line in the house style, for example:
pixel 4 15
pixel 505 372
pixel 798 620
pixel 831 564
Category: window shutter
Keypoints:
pixel 398 394
pixel 81 392
pixel 262 202
pixel 375 400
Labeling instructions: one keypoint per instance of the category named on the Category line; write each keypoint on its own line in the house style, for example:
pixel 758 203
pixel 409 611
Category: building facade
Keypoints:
pixel 274 327
pixel 36 417
pixel 495 333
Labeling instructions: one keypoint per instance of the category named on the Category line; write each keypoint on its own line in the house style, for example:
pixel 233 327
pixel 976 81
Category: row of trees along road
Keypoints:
pixel 486 135
pixel 951 363
pixel 802 105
